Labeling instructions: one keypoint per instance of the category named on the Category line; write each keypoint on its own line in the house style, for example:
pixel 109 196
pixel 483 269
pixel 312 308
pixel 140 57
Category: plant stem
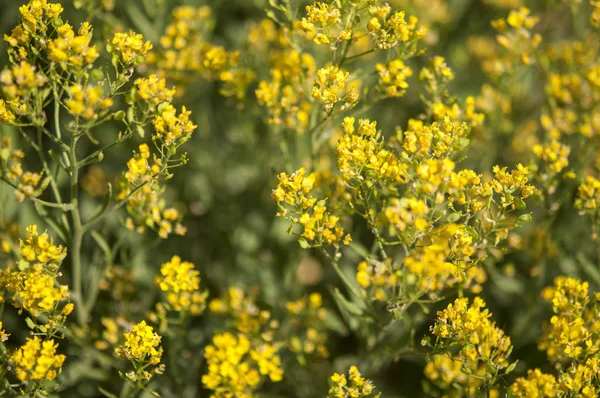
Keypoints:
pixel 77 235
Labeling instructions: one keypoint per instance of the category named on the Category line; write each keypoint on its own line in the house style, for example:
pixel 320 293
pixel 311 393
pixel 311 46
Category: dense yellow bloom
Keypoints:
pixel 173 129
pixel 6 116
pixel 555 154
pixel 141 343
pixel 154 90
pixel 72 50
pixel 389 29
pixel 37 360
pixel 436 140
pixel 181 282
pixel 378 274
pixel 331 87
pixel 36 291
pixel 354 385
pixel 513 183
pixel 38 248
pixel 130 47
pixel 235 366
pixel 447 373
pixel 470 327
pixel 21 79
pixel 515 34
pixel 573 332
pixel 3 335
pixel 536 384
pixel 364 153
pixel 407 212
pixel 319 226
pixel 588 194
pixel 86 102
pixel 247 318
pixel 392 77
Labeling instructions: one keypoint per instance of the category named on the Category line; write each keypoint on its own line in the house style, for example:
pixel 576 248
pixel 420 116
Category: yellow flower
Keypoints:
pixel 141 343
pixel 37 360
pixel 181 283
pixel 354 385
pixel 130 47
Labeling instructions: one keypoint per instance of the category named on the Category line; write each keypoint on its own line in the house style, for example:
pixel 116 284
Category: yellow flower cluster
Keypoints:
pixel 130 47
pixel 184 49
pixel 247 317
pixel 172 129
pixel 309 335
pixel 34 20
pixel 285 95
pixel 141 344
pixel 293 198
pixel 236 366
pixel 26 183
pixel 389 29
pixel 87 102
pixel 37 360
pixel 354 385
pixel 20 84
pixel 38 292
pixel 436 140
pixel 377 274
pixel 139 185
pixel 484 348
pixel 392 77
pixel 515 34
pixel 554 154
pixel 320 23
pixel 153 90
pixel 448 373
pixel 362 154
pixel 536 384
pixel 332 87
pixel 40 249
pixel 73 51
pixel 442 259
pixel 6 116
pixel 512 185
pixel 407 212
pixel 181 282
pixel 3 335
pixel 573 331
pixel 588 194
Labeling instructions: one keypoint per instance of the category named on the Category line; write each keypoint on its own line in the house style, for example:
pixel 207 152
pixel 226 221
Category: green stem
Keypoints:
pixel 77 237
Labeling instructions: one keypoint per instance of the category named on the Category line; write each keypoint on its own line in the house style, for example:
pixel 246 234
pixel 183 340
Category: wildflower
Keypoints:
pixel 38 248
pixel 247 317
pixel 182 286
pixel 130 47
pixel 73 51
pixel 515 34
pixel 37 360
pixel 37 291
pixel 330 88
pixel 536 384
pixel 235 367
pixel 141 343
pixel 555 154
pixel 3 335
pixel 173 129
pixel 393 77
pixel 6 116
pixel 353 386
pixel 86 102
pixel 588 194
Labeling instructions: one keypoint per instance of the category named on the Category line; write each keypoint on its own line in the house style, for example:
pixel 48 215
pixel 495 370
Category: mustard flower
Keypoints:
pixel 37 360
pixel 352 386
pixel 181 284
pixel 141 344
pixel 130 47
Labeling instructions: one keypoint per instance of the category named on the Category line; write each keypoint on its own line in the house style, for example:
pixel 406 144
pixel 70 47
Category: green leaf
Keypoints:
pixel 30 323
pixel 453 217
pixel 303 243
pixel 512 366
pixel 106 393
pixel 140 130
pixel 344 303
